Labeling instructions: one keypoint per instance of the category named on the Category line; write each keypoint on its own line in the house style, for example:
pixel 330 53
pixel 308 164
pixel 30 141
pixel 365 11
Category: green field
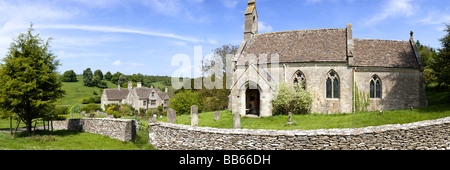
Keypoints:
pixel 76 91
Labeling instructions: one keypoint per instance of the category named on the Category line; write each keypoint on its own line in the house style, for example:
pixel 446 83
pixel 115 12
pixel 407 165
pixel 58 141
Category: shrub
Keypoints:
pixel 150 112
pixel 75 109
pixel 116 114
pixel 90 107
pixel 293 99
pixel 126 109
pixel 182 101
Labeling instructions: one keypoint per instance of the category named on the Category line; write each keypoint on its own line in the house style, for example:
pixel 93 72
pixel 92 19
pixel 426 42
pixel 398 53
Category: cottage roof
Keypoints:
pixel 116 94
pixel 144 92
pixel 320 45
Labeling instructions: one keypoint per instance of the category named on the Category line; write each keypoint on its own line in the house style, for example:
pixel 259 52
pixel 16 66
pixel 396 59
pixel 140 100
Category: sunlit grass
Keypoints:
pixel 321 121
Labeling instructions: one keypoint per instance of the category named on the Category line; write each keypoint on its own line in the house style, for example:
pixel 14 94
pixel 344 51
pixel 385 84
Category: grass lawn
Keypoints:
pixel 321 121
pixel 62 140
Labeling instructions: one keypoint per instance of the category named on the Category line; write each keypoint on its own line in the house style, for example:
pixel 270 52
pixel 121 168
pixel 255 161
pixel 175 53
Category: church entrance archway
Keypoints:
pixel 252 100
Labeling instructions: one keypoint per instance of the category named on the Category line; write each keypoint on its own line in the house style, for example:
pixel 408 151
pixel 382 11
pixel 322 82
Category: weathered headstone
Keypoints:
pixel 290 119
pixel 237 121
pixel 194 115
pixel 152 120
pixel 171 116
pixel 217 115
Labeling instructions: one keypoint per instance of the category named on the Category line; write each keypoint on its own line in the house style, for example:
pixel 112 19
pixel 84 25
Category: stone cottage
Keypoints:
pixel 138 97
pixel 330 63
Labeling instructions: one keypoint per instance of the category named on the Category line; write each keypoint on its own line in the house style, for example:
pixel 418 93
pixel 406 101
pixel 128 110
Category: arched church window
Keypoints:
pixel 375 87
pixel 299 79
pixel 332 85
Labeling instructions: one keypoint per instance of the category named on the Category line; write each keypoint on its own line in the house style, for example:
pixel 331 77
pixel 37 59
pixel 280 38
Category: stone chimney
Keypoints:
pixel 166 90
pixel 130 85
pixel 118 86
pixel 139 84
pixel 151 86
pixel 251 21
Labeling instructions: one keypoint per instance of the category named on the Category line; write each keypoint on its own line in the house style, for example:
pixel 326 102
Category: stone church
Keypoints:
pixel 138 97
pixel 330 63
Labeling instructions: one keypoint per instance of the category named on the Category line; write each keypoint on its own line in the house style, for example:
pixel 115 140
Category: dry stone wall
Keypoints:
pixel 121 129
pixel 424 135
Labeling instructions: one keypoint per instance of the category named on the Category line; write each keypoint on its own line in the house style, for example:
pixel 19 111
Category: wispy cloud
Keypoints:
pixel 113 29
pixel 393 8
pixel 263 27
pixel 230 3
pixel 117 63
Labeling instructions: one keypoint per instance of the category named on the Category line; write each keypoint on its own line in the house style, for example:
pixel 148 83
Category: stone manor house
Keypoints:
pixel 330 63
pixel 138 97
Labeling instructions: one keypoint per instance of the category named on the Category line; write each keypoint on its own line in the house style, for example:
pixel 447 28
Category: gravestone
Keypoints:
pixel 237 121
pixel 217 115
pixel 290 119
pixel 194 115
pixel 152 120
pixel 171 116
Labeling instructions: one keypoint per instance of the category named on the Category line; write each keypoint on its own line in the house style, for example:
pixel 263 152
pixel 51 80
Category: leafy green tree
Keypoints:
pixel 88 78
pixel 99 74
pixel 108 76
pixel 69 76
pixel 29 85
pixel 115 78
pixel 441 64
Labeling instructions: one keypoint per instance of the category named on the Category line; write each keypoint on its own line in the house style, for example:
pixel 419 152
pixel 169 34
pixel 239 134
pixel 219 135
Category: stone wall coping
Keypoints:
pixel 118 120
pixel 341 132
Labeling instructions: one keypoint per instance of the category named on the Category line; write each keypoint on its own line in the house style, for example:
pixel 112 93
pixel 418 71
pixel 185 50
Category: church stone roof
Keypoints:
pixel 384 53
pixel 320 45
pixel 329 45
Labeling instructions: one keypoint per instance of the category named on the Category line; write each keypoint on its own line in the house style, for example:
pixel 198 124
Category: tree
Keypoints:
pixel 30 84
pixel 108 76
pixel 99 74
pixel 115 78
pixel 441 64
pixel 122 79
pixel 69 76
pixel 88 78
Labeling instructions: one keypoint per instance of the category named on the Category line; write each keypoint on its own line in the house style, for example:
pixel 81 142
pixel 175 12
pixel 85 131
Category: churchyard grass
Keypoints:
pixel 321 121
pixel 62 140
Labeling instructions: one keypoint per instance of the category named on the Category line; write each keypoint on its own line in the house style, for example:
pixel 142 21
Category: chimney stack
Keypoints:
pixel 139 84
pixel 130 85
pixel 166 90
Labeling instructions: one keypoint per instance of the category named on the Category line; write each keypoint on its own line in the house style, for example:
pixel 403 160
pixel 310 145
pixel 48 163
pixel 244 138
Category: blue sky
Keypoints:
pixel 142 36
